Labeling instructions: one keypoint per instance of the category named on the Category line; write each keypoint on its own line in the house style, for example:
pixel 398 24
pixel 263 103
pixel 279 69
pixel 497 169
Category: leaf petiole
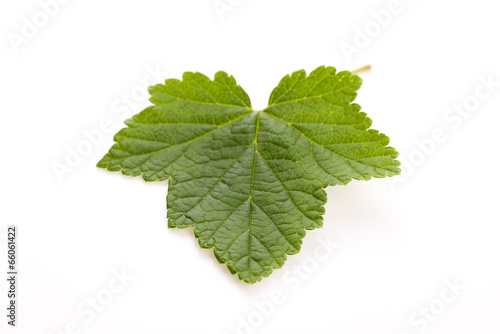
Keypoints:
pixel 362 69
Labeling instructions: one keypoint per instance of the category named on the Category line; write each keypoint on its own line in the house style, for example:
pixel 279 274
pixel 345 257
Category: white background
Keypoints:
pixel 399 242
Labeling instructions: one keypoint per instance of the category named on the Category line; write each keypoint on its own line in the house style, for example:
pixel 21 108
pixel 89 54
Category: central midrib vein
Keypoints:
pixel 257 122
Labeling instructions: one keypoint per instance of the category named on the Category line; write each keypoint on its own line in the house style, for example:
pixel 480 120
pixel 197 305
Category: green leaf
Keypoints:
pixel 252 182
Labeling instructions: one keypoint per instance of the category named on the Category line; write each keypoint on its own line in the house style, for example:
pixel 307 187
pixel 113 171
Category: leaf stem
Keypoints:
pixel 362 69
